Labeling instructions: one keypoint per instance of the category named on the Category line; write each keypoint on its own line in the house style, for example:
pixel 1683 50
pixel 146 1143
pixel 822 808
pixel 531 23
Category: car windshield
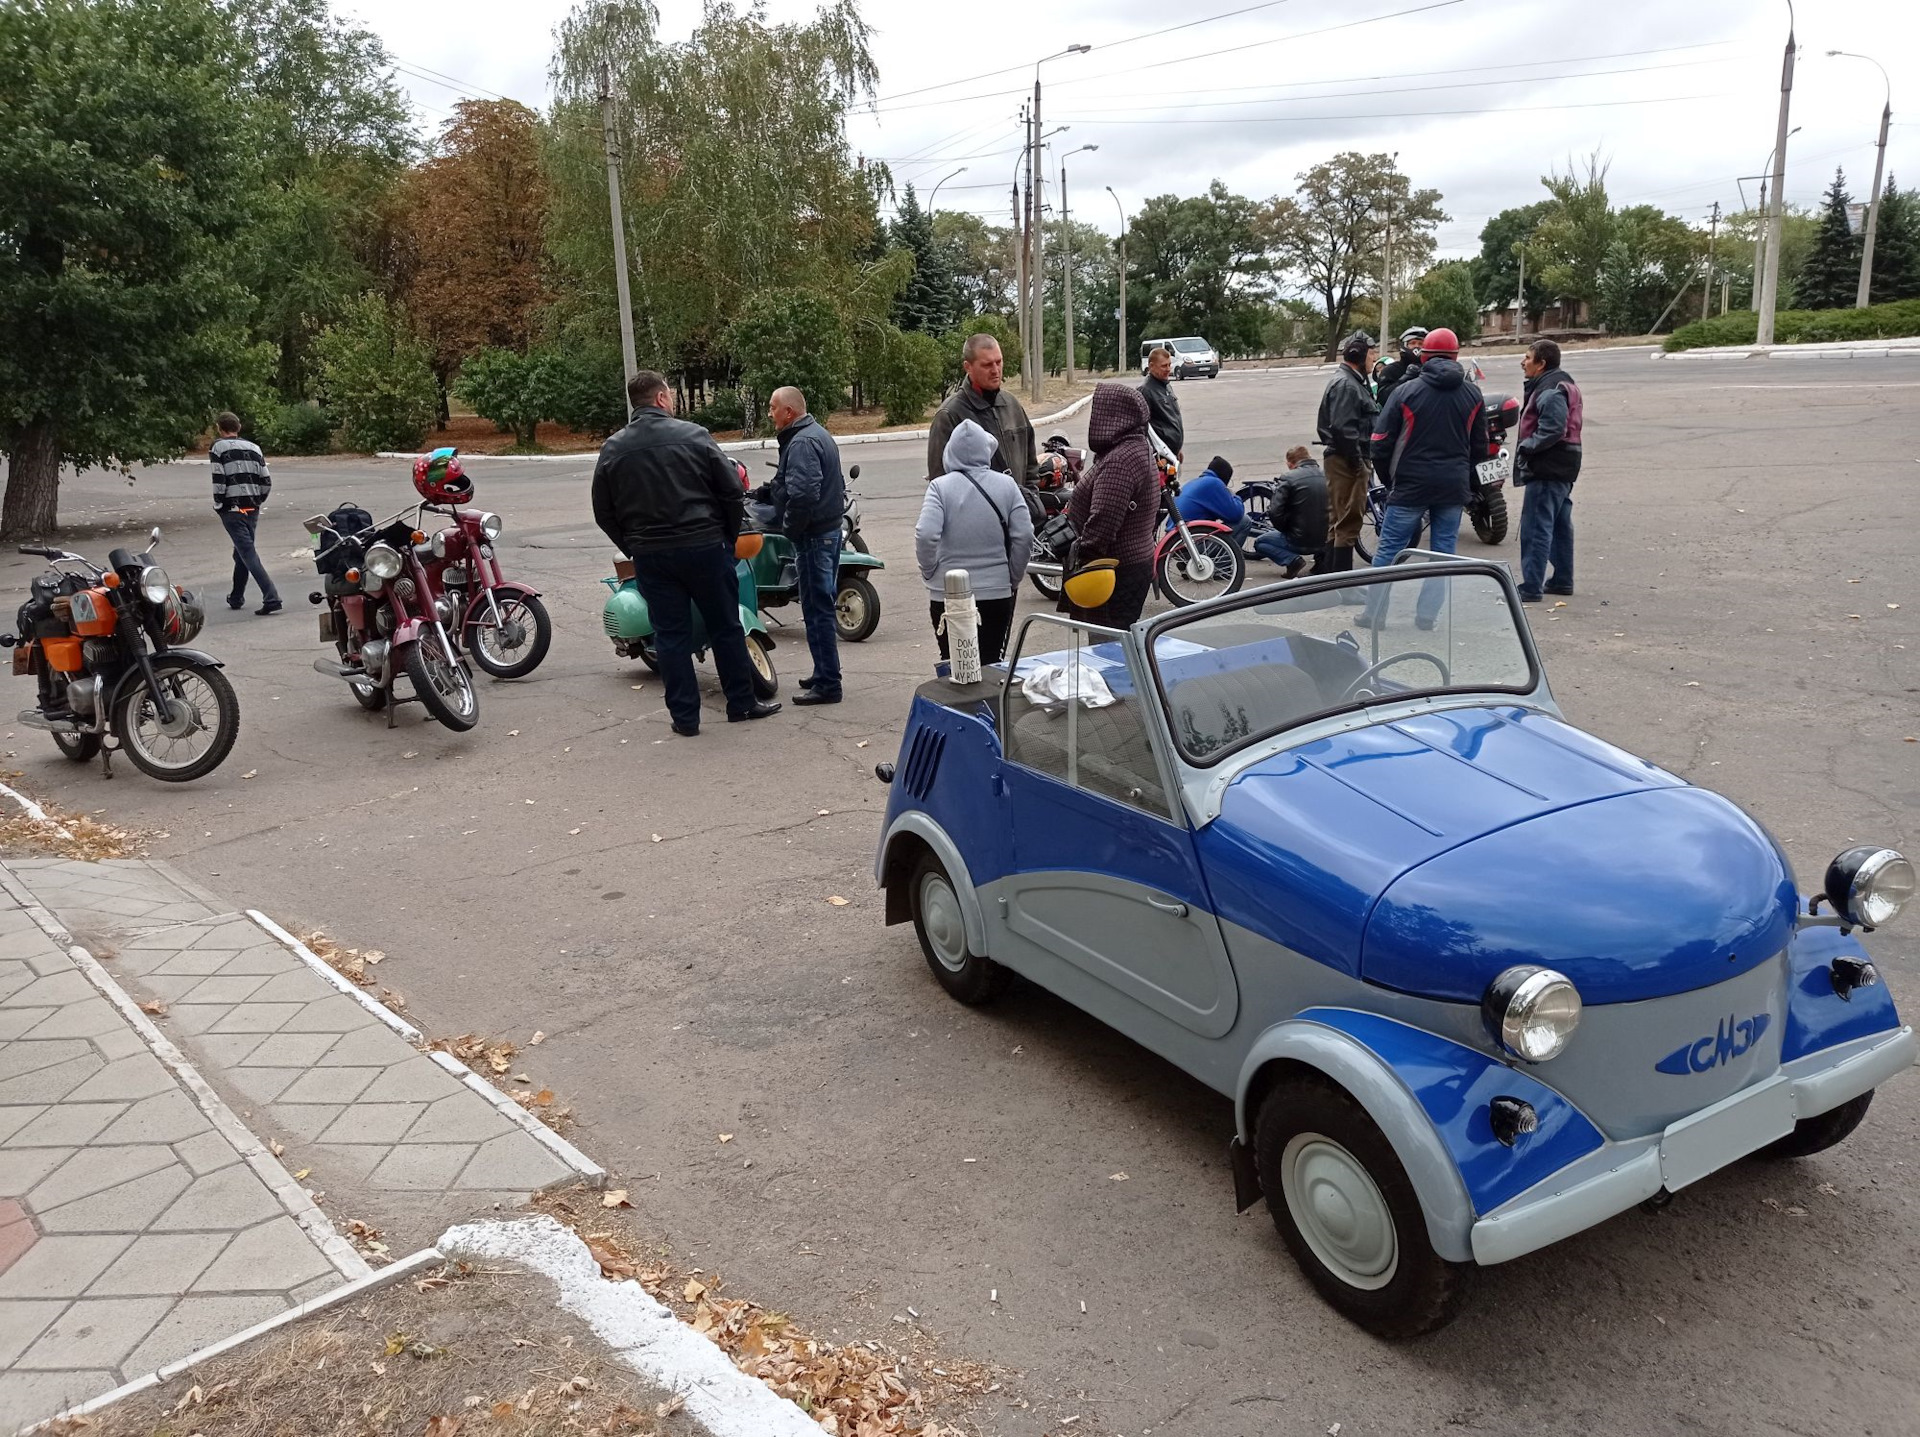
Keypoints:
pixel 1190 346
pixel 1231 678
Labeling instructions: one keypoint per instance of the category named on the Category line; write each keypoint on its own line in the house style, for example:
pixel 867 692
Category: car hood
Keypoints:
pixel 1430 853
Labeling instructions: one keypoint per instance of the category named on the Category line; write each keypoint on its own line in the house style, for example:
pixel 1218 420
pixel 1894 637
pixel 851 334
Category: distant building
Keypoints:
pixel 1563 314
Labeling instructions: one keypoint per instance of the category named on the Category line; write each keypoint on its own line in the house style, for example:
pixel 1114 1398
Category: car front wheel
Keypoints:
pixel 1821 1131
pixel 1348 1212
pixel 940 923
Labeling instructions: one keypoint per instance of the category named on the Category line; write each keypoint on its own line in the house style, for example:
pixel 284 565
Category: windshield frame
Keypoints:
pixel 1420 565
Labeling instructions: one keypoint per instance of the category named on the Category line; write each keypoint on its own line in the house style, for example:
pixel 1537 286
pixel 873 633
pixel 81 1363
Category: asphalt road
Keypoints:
pixel 1745 617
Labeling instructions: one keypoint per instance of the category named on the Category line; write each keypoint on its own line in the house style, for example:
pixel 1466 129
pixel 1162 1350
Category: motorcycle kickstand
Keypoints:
pixel 107 746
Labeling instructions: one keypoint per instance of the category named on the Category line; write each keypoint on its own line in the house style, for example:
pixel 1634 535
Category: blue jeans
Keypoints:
pixel 1546 536
pixel 1397 529
pixel 817 558
pixel 674 582
pixel 246 561
pixel 1271 546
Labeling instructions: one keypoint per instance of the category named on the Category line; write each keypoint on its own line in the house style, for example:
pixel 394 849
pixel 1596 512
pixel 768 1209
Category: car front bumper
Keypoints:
pixel 1618 1175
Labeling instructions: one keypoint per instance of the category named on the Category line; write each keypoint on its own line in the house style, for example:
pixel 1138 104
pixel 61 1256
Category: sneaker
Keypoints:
pixel 272 606
pixel 1295 569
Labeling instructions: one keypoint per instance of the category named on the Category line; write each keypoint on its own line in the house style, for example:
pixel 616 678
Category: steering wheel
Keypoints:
pixel 1446 674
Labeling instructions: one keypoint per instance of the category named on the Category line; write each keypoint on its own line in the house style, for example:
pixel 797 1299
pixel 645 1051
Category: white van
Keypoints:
pixel 1192 356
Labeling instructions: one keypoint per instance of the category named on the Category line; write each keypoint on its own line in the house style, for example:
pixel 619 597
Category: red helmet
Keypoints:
pixel 1441 341
pixel 439 478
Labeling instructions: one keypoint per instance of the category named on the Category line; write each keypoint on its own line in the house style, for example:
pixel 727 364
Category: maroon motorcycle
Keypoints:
pixel 502 624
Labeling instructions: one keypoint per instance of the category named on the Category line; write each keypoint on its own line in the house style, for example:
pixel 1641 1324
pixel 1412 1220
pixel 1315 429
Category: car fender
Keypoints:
pixel 854 559
pixel 1376 1087
pixel 919 825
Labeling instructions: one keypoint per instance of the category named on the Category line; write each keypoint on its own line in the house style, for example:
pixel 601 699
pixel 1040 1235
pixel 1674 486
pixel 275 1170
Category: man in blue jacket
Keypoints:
pixel 809 497
pixel 1424 446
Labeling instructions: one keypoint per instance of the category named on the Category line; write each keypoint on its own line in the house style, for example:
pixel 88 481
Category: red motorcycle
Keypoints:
pixel 502 624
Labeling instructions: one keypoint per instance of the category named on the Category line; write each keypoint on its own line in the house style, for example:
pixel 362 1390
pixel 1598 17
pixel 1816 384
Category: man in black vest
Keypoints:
pixel 670 500
pixel 1546 463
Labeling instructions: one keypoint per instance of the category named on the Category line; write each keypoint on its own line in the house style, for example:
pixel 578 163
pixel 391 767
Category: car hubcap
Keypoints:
pixel 852 609
pixel 1340 1211
pixel 945 925
pixel 761 664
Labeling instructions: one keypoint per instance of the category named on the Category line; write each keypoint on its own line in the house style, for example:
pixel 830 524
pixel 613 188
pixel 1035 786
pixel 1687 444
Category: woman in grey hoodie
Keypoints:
pixel 975 518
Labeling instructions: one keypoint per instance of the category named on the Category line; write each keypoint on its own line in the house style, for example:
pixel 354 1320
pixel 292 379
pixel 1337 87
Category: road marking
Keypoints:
pixel 1909 384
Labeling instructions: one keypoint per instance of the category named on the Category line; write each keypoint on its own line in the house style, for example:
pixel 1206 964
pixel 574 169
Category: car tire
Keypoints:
pixel 1821 1131
pixel 939 922
pixel 1359 1234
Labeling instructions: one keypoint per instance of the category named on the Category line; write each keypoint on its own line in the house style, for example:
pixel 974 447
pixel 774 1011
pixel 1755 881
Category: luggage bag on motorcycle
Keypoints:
pixel 333 557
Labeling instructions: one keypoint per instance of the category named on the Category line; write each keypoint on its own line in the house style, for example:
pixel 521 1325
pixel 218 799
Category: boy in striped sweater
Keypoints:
pixel 240 487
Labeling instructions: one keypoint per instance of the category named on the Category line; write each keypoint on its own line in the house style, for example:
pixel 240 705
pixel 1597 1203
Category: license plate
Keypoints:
pixel 1725 1132
pixel 1491 471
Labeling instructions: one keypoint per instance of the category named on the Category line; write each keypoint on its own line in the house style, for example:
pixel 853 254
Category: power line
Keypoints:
pixel 444 80
pixel 1414 114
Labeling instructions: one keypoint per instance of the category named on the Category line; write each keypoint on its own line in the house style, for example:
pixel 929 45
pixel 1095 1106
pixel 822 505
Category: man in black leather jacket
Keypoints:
pixel 672 502
pixel 1163 405
pixel 1346 420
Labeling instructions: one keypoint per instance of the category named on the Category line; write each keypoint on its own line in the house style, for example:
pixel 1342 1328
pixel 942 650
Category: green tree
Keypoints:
pixel 1896 246
pixel 1653 257
pixel 792 336
pixel 929 303
pixel 123 179
pixel 912 375
pixel 982 260
pixel 1830 279
pixel 1496 272
pixel 1330 234
pixel 376 377
pixel 1199 265
pixel 514 390
pixel 1443 297
pixel 1570 242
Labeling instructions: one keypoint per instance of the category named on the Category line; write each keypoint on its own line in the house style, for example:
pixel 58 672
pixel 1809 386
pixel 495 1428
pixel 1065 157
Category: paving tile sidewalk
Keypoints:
pixel 133 1228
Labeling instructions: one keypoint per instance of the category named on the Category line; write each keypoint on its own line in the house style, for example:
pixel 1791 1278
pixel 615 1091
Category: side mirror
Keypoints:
pixel 314 523
pixel 153 536
pixel 854 473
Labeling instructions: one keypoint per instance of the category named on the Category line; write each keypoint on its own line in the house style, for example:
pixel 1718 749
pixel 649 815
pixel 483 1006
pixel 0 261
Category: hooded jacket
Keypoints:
pixel 960 526
pixel 1115 509
pixel 1426 441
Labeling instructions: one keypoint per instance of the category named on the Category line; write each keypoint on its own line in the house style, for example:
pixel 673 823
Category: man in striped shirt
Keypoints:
pixel 240 487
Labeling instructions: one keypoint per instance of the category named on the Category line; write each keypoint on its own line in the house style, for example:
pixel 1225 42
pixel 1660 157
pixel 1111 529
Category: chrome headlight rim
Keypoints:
pixel 1869 885
pixel 155 586
pixel 383 561
pixel 1532 1012
pixel 491 524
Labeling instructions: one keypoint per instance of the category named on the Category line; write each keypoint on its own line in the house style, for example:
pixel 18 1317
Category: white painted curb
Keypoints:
pixel 339 980
pixel 735 446
pixel 1843 349
pixel 35 812
pixel 406 1267
pixel 643 1333
pixel 590 1172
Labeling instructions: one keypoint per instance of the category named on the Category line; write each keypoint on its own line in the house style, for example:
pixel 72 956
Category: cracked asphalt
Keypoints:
pixel 1745 616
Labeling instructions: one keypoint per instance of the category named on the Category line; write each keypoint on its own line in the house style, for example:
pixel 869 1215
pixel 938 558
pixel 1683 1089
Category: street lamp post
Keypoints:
pixel 1120 363
pixel 936 190
pixel 1066 266
pixel 1770 281
pixel 1036 355
pixel 1879 165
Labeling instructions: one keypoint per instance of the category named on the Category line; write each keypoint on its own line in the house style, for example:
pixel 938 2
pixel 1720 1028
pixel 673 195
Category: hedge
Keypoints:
pixel 1803 326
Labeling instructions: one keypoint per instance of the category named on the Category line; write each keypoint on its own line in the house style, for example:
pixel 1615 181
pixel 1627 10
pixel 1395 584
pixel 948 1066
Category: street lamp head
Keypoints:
pixel 1078 49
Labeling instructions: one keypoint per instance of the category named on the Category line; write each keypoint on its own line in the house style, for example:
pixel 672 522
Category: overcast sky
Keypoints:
pixel 1478 97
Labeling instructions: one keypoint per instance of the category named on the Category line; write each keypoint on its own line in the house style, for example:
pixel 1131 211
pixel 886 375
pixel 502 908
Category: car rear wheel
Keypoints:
pixel 940 923
pixel 1821 1131
pixel 1348 1212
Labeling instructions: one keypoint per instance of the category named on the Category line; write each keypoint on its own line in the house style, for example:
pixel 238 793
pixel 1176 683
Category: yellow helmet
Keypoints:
pixel 1091 585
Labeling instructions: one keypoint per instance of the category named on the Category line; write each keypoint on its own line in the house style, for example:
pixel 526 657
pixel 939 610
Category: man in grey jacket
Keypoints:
pixel 981 399
pixel 974 518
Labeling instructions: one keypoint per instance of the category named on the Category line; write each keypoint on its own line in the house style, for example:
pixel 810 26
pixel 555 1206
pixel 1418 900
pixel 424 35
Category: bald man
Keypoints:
pixel 809 495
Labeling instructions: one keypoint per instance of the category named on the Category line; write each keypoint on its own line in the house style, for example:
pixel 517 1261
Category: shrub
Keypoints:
pixel 303 428
pixel 913 370
pixel 509 388
pixel 1899 320
pixel 376 377
pixel 586 387
pixel 724 409
pixel 951 346
pixel 792 336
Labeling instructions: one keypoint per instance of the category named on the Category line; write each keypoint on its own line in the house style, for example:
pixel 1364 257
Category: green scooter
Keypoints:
pixel 629 625
pixel 856 608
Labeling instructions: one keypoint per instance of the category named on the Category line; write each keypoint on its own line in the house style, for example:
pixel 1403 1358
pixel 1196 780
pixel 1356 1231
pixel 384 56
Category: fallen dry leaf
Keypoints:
pixel 694 1290
pixel 726 1137
pixel 155 1009
pixel 442 1427
pixel 274 1148
pixel 837 901
pixel 672 1405
pixel 251 773
pixel 543 1098
pixel 536 1040
pixel 302 1175
pixel 1116 1177
pixel 617 1197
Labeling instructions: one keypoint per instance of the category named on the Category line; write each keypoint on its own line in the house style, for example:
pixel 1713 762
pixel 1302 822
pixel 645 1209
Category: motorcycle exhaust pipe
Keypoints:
pixel 1052 571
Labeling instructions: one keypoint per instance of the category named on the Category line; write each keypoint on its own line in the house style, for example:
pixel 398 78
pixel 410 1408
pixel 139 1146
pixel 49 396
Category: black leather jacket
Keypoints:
pixel 1347 411
pixel 662 483
pixel 1163 410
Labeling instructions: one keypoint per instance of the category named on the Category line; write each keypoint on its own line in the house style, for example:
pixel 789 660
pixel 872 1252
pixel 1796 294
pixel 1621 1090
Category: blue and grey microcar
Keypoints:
pixel 1474 979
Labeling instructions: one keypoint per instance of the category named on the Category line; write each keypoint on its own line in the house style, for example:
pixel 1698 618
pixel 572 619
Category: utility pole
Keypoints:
pixel 1020 238
pixel 1759 243
pixel 1862 296
pixel 1770 281
pixel 1121 366
pixel 1706 290
pixel 1036 187
pixel 1520 302
pixel 1066 272
pixel 1386 277
pixel 619 227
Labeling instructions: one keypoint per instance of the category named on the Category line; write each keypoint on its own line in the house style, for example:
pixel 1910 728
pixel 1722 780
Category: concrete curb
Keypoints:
pixel 320 965
pixel 642 1332
pixel 291 1196
pixel 590 1172
pixel 1848 349
pixel 405 1267
pixel 739 446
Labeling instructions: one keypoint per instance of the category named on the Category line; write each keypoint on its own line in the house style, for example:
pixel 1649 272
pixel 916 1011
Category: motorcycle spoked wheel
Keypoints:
pixel 78 747
pixel 1180 585
pixel 1364 549
pixel 1048 584
pixel 445 689
pixel 513 648
pixel 195 739
pixel 766 679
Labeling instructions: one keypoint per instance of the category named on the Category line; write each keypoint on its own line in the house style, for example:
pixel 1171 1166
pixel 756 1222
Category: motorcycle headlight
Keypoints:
pixel 1869 886
pixel 155 586
pixel 1532 1012
pixel 440 544
pixel 491 526
pixel 383 561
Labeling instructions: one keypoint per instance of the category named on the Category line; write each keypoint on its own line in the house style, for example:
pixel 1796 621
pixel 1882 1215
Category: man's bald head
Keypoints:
pixel 786 405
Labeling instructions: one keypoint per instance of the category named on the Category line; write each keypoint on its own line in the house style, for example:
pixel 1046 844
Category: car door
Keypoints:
pixel 1105 873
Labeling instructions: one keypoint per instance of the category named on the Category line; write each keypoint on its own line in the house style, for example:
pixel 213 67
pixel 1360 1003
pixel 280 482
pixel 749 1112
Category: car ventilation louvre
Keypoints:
pixel 923 761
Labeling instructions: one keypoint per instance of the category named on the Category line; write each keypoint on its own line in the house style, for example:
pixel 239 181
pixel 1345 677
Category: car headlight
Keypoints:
pixel 383 561
pixel 1532 1012
pixel 155 586
pixel 1869 886
pixel 491 526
